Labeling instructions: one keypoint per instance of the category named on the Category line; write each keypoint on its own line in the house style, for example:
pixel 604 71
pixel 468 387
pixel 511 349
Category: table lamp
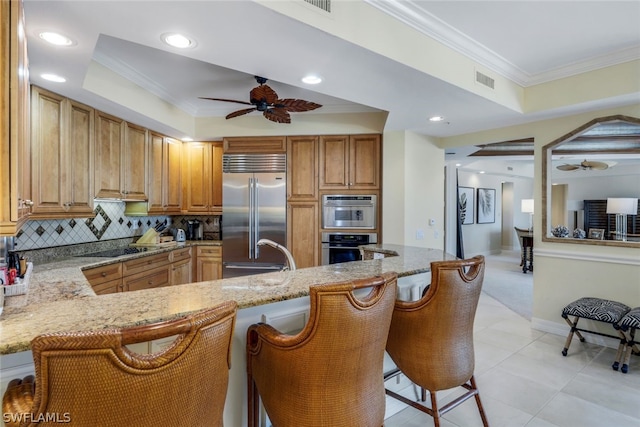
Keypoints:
pixel 621 207
pixel 526 206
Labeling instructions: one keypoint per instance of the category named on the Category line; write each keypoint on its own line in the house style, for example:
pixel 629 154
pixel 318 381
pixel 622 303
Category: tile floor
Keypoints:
pixel 525 381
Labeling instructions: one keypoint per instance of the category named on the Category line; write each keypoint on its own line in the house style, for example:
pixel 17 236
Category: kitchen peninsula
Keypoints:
pixel 277 298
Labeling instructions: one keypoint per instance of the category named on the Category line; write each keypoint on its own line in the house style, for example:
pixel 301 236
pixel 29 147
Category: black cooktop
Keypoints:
pixel 113 253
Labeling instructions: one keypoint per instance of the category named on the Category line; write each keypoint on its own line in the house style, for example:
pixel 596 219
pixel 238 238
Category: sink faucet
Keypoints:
pixel 291 264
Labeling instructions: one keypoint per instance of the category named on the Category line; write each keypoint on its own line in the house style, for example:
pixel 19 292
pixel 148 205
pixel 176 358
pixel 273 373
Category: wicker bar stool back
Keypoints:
pixel 92 379
pixel 329 374
pixel 431 340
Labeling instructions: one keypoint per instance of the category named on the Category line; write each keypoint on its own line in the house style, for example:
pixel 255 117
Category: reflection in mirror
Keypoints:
pixel 580 171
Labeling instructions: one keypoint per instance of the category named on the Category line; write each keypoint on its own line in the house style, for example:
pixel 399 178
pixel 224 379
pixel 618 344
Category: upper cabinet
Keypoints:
pixel 62 156
pixel 165 175
pixel 202 178
pixel 15 185
pixel 302 168
pixel 255 145
pixel 350 162
pixel 121 159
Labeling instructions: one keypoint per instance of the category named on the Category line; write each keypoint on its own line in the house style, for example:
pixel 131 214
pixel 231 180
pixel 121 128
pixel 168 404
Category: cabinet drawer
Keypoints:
pixel 144 263
pixel 103 274
pixel 149 279
pixel 209 251
pixel 109 287
pixel 180 254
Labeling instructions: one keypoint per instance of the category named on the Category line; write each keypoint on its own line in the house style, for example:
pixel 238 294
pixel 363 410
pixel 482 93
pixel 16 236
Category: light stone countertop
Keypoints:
pixel 60 298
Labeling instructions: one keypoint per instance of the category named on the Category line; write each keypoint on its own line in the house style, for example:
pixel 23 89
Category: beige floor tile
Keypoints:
pixel 504 340
pixel 569 411
pixel 620 398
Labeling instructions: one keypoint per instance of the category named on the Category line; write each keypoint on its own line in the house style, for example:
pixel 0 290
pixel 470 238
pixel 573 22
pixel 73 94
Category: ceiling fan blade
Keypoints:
pixel 240 113
pixel 227 100
pixel 595 165
pixel 297 105
pixel 567 167
pixel 263 93
pixel 278 115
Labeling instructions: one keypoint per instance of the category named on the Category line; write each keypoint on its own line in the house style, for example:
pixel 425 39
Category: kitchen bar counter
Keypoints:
pixel 60 298
pixel 277 298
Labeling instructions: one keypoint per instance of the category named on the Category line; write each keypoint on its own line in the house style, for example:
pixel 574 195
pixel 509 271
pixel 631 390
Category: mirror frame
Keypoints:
pixel 546 164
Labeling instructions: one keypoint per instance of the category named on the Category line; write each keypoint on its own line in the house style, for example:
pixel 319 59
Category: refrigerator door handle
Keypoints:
pixel 256 218
pixel 251 209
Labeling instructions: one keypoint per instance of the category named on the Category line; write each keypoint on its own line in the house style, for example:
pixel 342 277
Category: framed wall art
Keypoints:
pixel 466 204
pixel 486 206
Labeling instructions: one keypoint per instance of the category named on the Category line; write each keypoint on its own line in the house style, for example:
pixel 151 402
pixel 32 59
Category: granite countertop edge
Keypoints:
pixel 60 299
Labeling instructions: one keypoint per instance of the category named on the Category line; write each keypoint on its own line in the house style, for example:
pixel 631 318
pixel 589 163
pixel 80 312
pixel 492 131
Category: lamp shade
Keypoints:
pixel 622 206
pixel 527 205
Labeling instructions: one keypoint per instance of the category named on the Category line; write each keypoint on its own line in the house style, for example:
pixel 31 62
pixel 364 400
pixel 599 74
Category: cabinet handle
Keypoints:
pixel 150 282
pixel 104 274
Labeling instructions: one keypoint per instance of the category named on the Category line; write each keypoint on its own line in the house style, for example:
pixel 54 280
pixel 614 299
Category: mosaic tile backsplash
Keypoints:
pixel 109 223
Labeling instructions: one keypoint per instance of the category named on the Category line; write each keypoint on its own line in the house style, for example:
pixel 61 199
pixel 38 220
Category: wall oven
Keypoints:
pixel 343 247
pixel 349 211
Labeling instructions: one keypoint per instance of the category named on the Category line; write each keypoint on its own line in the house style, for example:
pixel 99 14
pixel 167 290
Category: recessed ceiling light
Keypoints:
pixel 177 40
pixel 436 119
pixel 53 78
pixel 187 139
pixel 56 38
pixel 481 172
pixel 458 165
pixel 311 79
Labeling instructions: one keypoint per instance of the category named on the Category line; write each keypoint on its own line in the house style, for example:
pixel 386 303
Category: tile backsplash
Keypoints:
pixel 109 223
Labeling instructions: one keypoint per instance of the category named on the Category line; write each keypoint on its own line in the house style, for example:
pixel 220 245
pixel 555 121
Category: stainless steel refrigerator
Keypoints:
pixel 254 201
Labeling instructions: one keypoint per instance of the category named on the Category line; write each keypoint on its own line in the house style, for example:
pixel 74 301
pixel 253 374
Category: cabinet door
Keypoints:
pixel 134 163
pixel 155 278
pixel 216 178
pixel 364 162
pixel 173 182
pixel 157 169
pixel 108 156
pixel 302 168
pixel 302 233
pixel 79 150
pixel 208 263
pixel 334 162
pixel 49 158
pixel 181 272
pixel 110 287
pixel 196 185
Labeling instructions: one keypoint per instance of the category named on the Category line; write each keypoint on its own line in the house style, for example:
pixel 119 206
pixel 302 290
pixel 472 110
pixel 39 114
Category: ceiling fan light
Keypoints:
pixel 312 79
pixel 177 40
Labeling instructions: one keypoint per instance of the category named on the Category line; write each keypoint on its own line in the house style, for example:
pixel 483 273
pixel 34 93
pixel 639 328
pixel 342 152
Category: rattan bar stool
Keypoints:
pixel 628 325
pixel 330 373
pixel 91 378
pixel 431 340
pixel 598 309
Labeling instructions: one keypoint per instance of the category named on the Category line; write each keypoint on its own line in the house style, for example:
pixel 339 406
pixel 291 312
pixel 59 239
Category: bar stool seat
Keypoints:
pixel 598 309
pixel 628 325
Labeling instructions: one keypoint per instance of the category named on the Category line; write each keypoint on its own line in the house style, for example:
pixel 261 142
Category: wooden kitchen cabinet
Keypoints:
pixel 181 266
pixel 302 168
pixel 302 233
pixel 255 145
pixel 62 156
pixel 121 159
pixel 350 162
pixel 154 278
pixel 208 263
pixel 106 279
pixel 165 175
pixel 15 175
pixel 202 178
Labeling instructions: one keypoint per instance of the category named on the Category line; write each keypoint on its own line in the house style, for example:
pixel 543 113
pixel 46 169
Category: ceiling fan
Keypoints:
pixel 584 165
pixel 265 99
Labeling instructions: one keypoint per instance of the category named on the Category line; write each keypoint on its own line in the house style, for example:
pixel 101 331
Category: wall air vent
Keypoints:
pixel 485 80
pixel 321 4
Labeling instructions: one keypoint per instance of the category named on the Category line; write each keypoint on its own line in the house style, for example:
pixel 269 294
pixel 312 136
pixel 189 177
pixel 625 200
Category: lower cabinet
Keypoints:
pixel 106 279
pixel 181 266
pixel 208 263
pixel 153 278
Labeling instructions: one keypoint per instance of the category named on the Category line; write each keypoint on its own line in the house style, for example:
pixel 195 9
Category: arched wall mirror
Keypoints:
pixel 585 175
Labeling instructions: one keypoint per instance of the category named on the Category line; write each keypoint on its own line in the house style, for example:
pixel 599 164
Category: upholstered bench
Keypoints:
pixel 598 309
pixel 627 325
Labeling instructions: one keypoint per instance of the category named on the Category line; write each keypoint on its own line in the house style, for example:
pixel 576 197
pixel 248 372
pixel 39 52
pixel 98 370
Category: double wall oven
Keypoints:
pixel 342 214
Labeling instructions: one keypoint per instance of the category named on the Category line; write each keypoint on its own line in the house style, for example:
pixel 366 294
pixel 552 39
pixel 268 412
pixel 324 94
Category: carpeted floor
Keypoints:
pixel 504 281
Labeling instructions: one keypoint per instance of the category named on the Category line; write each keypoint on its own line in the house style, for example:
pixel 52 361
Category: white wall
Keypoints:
pixel 413 188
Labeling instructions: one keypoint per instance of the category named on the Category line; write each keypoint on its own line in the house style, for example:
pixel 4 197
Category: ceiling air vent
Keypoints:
pixel 485 80
pixel 321 4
